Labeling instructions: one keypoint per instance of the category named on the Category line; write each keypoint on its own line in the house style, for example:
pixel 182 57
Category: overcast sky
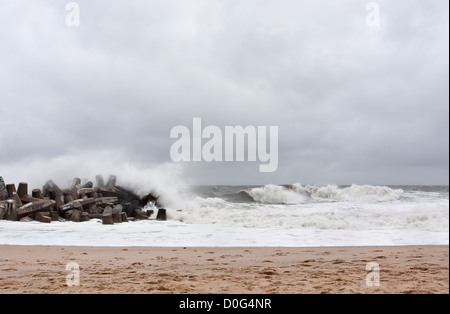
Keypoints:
pixel 354 103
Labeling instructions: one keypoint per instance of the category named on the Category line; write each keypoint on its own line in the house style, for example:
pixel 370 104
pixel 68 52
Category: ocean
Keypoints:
pixel 292 215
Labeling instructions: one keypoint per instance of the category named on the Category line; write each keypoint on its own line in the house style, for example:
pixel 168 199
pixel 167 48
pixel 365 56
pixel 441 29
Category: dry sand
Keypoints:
pixel 403 269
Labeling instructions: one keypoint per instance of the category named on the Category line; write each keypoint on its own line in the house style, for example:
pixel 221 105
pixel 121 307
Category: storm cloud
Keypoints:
pixel 353 103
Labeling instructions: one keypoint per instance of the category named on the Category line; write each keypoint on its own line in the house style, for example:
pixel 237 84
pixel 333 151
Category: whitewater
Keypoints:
pixel 272 215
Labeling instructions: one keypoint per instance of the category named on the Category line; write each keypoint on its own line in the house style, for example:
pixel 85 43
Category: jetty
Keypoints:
pixel 79 202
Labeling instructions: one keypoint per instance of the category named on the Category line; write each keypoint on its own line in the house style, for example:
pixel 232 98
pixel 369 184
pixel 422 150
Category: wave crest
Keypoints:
pixel 298 194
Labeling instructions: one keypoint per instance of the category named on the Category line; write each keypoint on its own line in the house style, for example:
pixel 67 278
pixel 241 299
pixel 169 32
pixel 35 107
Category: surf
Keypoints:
pixel 298 194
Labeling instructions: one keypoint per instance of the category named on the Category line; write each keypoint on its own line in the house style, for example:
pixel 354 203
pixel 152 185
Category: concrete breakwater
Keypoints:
pixel 77 203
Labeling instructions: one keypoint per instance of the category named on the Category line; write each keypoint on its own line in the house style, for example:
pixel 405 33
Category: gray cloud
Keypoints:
pixel 352 103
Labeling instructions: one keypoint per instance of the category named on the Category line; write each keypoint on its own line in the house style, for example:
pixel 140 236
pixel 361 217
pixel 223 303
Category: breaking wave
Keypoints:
pixel 428 216
pixel 298 194
pixel 355 207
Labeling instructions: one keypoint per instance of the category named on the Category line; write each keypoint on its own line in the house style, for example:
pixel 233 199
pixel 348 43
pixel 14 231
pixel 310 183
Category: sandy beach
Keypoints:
pixel 193 270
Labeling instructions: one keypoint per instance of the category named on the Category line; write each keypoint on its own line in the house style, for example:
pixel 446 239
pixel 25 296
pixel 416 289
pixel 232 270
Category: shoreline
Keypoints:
pixel 225 270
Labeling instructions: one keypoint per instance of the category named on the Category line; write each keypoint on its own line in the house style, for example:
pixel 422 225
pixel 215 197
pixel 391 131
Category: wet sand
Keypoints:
pixel 194 270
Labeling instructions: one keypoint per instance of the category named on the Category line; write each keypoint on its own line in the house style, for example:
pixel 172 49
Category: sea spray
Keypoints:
pixel 162 179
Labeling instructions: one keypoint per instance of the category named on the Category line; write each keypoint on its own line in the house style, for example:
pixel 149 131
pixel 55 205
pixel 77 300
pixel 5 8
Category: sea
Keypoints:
pixel 292 215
